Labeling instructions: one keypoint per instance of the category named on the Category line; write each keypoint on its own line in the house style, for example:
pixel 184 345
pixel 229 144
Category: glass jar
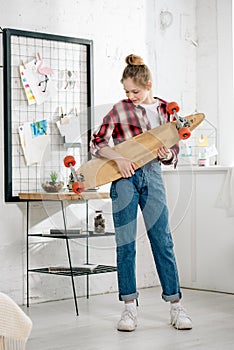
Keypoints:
pixel 99 222
pixel 203 160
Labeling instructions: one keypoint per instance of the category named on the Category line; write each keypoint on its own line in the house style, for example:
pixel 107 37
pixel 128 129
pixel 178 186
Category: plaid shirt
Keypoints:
pixel 126 120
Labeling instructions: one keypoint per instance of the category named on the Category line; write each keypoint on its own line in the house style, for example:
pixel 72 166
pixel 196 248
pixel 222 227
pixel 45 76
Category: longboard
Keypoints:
pixel 140 149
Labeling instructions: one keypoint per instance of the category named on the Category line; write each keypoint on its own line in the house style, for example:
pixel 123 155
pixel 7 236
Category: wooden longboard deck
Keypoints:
pixel 141 149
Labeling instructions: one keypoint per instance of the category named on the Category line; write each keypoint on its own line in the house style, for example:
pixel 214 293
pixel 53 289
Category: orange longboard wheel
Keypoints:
pixel 78 187
pixel 69 160
pixel 184 133
pixel 172 107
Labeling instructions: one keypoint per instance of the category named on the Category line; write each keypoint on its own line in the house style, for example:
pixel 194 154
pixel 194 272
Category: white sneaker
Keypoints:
pixel 128 321
pixel 179 318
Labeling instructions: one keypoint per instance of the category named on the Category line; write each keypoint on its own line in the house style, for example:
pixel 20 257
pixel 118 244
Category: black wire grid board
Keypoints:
pixel 71 94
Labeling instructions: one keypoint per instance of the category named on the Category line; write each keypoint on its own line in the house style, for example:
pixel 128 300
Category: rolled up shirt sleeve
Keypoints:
pixel 174 149
pixel 174 159
pixel 102 135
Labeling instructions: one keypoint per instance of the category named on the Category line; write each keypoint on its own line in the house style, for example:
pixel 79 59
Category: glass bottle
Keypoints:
pixel 99 222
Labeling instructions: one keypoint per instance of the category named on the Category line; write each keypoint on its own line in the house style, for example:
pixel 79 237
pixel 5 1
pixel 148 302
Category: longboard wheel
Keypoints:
pixel 184 133
pixel 78 187
pixel 69 160
pixel 172 107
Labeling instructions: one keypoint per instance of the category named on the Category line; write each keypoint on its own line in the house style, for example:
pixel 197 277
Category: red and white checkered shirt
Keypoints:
pixel 126 120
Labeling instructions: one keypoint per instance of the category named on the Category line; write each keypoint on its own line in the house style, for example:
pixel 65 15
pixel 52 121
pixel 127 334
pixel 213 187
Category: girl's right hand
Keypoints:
pixel 126 167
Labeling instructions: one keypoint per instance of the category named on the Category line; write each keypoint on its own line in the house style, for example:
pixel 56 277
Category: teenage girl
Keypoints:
pixel 144 188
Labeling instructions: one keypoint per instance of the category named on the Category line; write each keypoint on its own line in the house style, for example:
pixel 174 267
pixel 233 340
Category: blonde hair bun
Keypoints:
pixel 134 60
pixel 136 70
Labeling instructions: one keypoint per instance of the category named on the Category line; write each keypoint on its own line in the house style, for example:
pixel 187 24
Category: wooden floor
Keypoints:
pixel 56 327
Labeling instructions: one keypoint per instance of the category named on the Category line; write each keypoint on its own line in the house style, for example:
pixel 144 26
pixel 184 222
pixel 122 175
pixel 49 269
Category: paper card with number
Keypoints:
pixel 34 141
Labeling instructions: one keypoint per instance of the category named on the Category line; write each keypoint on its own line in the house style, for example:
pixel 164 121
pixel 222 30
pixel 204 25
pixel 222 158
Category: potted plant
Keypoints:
pixel 53 185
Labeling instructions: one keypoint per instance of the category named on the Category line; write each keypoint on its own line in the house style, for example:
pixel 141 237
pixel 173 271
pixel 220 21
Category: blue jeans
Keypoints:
pixel 145 188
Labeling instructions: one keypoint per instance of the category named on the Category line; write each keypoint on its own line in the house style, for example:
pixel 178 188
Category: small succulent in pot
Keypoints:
pixel 53 186
pixel 53 177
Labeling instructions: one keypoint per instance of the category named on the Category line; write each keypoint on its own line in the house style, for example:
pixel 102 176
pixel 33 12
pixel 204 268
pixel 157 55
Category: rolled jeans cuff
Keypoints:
pixel 128 297
pixel 172 298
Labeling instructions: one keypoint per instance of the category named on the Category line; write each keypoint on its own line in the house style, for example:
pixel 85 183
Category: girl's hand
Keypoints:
pixel 126 167
pixel 164 153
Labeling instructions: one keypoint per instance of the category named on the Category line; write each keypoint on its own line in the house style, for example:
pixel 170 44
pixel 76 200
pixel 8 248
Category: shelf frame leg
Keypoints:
pixel 87 249
pixel 27 253
pixel 69 260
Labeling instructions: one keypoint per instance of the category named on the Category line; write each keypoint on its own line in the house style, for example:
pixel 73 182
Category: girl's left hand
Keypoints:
pixel 164 153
